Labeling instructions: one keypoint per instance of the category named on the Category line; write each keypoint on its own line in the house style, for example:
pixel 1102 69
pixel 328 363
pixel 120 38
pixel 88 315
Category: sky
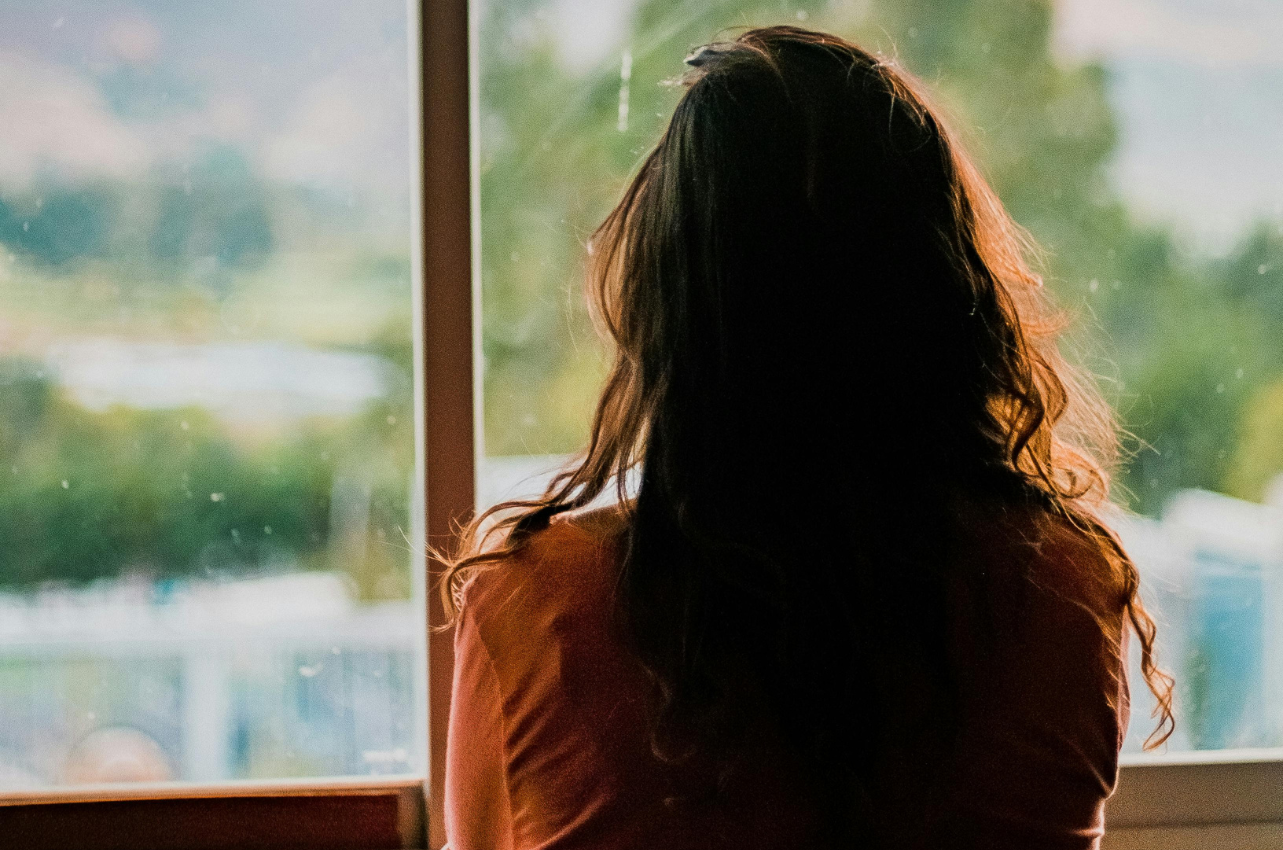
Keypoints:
pixel 1198 85
pixel 316 91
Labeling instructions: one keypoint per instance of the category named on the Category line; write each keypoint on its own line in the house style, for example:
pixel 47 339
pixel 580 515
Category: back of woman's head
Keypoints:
pixel 796 278
pixel 826 335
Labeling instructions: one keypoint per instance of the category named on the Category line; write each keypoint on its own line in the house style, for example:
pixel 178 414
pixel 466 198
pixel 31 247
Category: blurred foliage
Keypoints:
pixel 216 208
pixel 168 493
pixel 192 254
pixel 1259 453
pixel 63 224
pixel 1183 343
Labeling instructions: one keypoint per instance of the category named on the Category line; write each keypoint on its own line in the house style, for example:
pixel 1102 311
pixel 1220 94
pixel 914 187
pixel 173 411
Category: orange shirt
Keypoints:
pixel 549 748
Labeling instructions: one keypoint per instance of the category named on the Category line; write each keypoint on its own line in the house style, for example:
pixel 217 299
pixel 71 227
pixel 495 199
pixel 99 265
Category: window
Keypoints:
pixel 1076 118
pixel 208 377
pixel 205 220
pixel 1134 139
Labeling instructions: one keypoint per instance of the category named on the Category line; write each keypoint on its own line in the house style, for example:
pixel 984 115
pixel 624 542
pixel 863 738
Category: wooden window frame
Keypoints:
pixel 1231 800
pixel 332 814
pixel 451 325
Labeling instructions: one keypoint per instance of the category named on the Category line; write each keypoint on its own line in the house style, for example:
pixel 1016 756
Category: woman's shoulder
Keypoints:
pixel 1040 670
pixel 555 570
pixel 1061 566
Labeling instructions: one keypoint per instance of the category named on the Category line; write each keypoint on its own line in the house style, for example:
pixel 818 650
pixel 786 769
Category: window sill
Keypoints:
pixel 1228 799
pixel 332 814
pixel 1231 800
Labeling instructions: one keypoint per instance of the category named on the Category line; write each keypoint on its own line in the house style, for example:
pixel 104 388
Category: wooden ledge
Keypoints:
pixel 320 815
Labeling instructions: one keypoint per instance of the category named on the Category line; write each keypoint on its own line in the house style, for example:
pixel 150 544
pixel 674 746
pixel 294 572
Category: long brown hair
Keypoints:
pixel 826 332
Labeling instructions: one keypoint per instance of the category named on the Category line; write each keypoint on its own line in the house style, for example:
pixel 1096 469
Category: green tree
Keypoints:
pixel 1258 457
pixel 58 224
pixel 218 209
pixel 86 495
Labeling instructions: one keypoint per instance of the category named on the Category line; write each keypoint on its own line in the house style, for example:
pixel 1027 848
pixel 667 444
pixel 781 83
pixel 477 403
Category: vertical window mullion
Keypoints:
pixel 447 349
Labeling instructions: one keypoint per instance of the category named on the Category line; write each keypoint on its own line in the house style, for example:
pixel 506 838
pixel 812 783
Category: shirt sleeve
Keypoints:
pixel 1044 711
pixel 478 812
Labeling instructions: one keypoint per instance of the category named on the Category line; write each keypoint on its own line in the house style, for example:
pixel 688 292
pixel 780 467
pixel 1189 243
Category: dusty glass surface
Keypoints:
pixel 1136 140
pixel 206 427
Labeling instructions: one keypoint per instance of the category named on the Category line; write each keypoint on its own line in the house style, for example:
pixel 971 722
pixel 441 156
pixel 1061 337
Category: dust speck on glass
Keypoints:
pixel 1143 161
pixel 205 392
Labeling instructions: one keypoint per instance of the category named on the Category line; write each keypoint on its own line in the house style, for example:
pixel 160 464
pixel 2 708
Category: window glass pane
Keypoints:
pixel 206 420
pixel 1137 141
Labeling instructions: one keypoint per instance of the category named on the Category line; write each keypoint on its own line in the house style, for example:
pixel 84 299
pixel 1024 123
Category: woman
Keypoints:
pixel 860 593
